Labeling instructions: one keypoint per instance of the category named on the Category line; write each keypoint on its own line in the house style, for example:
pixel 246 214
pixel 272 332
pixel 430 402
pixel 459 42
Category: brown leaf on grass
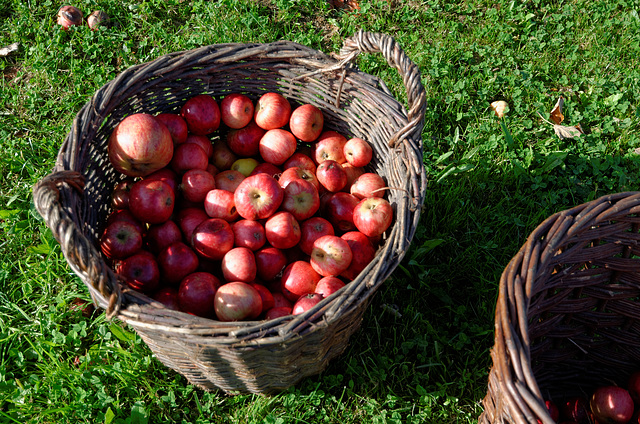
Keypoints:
pixel 499 107
pixel 6 51
pixel 563 131
pixel 556 113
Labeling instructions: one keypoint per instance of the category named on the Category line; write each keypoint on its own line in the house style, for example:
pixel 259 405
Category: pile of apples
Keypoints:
pixel 608 404
pixel 273 215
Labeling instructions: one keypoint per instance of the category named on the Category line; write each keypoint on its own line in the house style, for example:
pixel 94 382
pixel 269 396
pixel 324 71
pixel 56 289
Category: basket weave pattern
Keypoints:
pixel 568 311
pixel 257 356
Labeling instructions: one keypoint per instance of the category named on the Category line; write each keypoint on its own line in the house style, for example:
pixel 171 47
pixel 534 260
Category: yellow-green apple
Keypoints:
pixel 245 166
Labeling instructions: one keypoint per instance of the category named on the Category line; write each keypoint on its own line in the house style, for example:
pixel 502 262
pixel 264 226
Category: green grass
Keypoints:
pixel 422 354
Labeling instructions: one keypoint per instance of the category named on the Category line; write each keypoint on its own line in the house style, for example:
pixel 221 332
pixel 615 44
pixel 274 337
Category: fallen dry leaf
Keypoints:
pixel 563 131
pixel 6 51
pixel 499 107
pixel 556 113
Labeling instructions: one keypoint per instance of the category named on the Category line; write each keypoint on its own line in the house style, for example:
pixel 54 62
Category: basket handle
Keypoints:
pixel 81 254
pixel 373 42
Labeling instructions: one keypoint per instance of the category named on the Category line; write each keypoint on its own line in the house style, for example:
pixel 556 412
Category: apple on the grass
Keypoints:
pixel 368 184
pixel 339 209
pixel 300 160
pixel 301 199
pixel 299 278
pixel 236 110
pixel 306 302
pixel 229 180
pixel 188 219
pixel 239 264
pixel 330 146
pixel 220 203
pixel 176 261
pixel 611 404
pixel 69 16
pixel 120 239
pixel 188 156
pixel 258 196
pixel 331 175
pixel 222 157
pixel 168 296
pixel 140 145
pixel 357 152
pixel 270 261
pixel 329 285
pixel 236 301
pixel 331 256
pixel 196 183
pixel 363 253
pixel 282 230
pixel 151 201
pixel 245 141
pixel 306 122
pixel 202 141
pixel 159 236
pixel 140 272
pixel 295 173
pixel 311 230
pixel 245 166
pixel 272 111
pixel 176 125
pixel 196 294
pixel 212 239
pixel 372 216
pixel 277 145
pixel 249 234
pixel 202 114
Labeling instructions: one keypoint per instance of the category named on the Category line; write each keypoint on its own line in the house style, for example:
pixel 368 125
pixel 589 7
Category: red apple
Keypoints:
pixel 188 219
pixel 125 215
pixel 368 184
pixel 237 301
pixel 176 261
pixel 211 169
pixel 311 230
pixel 267 298
pixel 554 412
pixel 212 239
pixel 166 175
pixel 140 271
pixel 331 175
pixel 222 156
pixel 357 152
pixel 277 145
pixel 306 302
pixel 282 230
pixel 280 301
pixel 196 183
pixel 245 141
pixel 229 180
pixel 272 111
pixel 176 125
pixel 249 234
pixel 168 296
pixel 278 312
pixel 96 19
pixel 266 168
pixel 197 293
pixel 301 161
pixel 221 204
pixel 258 197
pixel 329 285
pixel 239 264
pixel 352 174
pixel 188 156
pixel 372 216
pixel 270 262
pixel 140 145
pixel 298 279
pixel 611 404
pixel 202 141
pixel 331 256
pixel 151 201
pixel 306 122
pixel 363 253
pixel 296 173
pixel 120 239
pixel 236 110
pixel 575 409
pixel 330 146
pixel 300 199
pixel 202 114
pixel 120 194
pixel 339 209
pixel 159 236
pixel 69 16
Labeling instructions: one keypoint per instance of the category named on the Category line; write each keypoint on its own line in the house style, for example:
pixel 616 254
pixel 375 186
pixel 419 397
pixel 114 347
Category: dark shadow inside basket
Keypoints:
pixel 584 310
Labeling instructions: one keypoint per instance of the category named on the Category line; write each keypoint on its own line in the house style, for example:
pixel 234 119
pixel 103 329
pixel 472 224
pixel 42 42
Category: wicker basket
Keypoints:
pixel 568 311
pixel 259 356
